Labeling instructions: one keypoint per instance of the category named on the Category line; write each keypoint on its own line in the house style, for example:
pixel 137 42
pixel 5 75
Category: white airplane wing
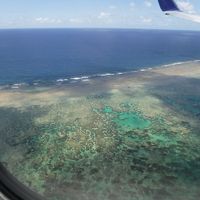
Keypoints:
pixel 169 7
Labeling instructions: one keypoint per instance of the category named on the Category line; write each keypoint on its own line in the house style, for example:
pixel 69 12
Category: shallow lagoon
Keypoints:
pixel 131 136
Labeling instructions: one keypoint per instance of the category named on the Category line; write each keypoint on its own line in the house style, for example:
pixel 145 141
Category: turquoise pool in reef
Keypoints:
pixel 127 121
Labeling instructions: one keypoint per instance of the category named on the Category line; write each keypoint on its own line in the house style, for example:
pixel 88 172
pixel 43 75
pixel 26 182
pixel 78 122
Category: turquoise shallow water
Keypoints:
pixel 127 121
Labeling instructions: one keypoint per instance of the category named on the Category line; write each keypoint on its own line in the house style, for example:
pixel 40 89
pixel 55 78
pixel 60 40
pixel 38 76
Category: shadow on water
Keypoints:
pixel 181 94
pixel 17 126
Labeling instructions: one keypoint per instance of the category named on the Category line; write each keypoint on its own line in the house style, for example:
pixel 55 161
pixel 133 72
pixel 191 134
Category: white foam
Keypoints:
pixel 76 78
pixel 84 77
pixel 133 71
pixel 180 63
pixel 196 61
pixel 106 74
pixel 18 85
pixel 120 73
pixel 15 87
pixel 60 80
pixel 172 64
pixel 85 80
pixel 79 78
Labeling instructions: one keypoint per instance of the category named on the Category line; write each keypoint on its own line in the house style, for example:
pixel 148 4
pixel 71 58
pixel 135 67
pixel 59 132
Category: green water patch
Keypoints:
pixel 129 121
pixel 107 109
pixel 186 103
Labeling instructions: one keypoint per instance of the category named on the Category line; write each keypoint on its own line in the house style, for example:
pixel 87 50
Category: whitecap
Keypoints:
pixel 60 80
pixel 106 74
pixel 179 63
pixel 85 80
pixel 76 78
pixel 15 87
pixel 84 77
pixel 18 85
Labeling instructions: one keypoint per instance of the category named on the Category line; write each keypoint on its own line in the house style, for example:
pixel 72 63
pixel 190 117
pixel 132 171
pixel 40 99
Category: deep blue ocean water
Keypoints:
pixel 48 54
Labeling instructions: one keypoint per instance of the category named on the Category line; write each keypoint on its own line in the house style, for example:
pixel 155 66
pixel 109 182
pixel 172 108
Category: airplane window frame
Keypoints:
pixel 12 189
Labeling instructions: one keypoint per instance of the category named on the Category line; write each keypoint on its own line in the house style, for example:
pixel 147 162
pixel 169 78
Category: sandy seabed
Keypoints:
pixel 133 136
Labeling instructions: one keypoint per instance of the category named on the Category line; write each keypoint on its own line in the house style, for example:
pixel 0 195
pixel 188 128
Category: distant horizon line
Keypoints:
pixel 99 28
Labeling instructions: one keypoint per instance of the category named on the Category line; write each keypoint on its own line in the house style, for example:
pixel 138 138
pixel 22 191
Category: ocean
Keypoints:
pixel 34 55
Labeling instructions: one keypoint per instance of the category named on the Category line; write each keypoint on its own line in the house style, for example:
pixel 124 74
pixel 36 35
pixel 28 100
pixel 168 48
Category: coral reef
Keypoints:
pixel 106 145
